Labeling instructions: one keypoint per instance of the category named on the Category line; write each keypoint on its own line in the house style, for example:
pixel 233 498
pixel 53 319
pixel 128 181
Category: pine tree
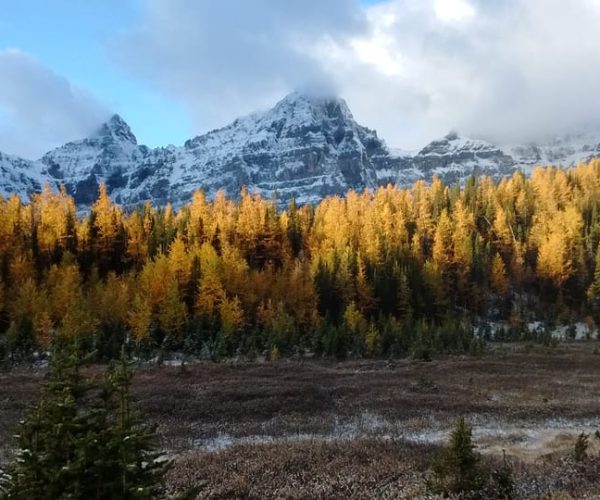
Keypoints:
pixel 60 439
pixel 83 440
pixel 442 254
pixel 405 310
pixel 580 450
pixel 498 278
pixel 139 469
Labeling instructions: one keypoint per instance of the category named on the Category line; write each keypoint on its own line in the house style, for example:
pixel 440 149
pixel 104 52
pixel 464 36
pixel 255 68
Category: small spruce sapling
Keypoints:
pixel 457 470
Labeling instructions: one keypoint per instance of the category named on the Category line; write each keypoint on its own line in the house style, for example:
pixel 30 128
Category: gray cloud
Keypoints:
pixel 228 57
pixel 499 69
pixel 514 70
pixel 40 109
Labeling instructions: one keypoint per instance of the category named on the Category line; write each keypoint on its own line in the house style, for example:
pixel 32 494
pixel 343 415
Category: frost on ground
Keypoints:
pixel 526 440
pixel 307 428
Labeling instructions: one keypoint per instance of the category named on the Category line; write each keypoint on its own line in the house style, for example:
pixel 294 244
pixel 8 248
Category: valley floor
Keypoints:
pixel 362 428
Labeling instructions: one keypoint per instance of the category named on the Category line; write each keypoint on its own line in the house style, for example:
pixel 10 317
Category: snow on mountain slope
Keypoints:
pixel 454 158
pixel 566 151
pixel 304 147
pixel 107 156
pixel 19 176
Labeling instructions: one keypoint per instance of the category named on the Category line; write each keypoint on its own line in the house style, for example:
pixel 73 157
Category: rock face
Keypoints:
pixel 109 156
pixel 305 147
pixel 455 158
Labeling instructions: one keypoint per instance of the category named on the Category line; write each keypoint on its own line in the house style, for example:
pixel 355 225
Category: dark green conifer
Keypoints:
pixel 458 470
pixel 139 467
pixel 83 440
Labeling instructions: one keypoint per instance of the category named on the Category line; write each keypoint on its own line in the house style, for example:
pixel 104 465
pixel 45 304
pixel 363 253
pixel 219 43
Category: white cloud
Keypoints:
pixel 376 47
pixel 450 11
pixel 507 70
pixel 413 69
pixel 40 109
pixel 228 57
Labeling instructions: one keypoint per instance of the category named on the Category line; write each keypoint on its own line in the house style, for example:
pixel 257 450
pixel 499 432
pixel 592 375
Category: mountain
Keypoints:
pixel 454 159
pixel 19 176
pixel 567 151
pixel 110 156
pixel 304 147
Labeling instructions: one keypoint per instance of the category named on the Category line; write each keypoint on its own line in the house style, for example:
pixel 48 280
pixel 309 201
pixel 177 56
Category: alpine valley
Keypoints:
pixel 305 147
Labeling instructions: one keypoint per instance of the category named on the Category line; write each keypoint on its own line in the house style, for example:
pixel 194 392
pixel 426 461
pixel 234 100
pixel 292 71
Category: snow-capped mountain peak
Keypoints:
pixel 454 143
pixel 306 147
pixel 116 129
pixel 303 108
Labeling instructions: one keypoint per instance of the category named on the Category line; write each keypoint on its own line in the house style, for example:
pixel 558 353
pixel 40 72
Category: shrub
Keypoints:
pixel 274 353
pixel 503 482
pixel 580 451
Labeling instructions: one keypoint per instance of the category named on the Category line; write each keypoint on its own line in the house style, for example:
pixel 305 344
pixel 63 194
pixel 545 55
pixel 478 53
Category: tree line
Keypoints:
pixel 390 272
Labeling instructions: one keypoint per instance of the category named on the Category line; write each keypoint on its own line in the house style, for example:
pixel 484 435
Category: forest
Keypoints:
pixel 395 272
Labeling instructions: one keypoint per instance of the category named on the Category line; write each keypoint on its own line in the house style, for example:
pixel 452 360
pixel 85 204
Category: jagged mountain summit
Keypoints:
pixel 305 147
pixel 454 158
pixel 110 155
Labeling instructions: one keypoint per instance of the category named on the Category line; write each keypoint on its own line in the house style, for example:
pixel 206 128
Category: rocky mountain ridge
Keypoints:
pixel 305 147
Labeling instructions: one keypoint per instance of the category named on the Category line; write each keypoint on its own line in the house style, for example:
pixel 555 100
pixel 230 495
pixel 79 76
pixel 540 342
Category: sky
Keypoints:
pixel 503 70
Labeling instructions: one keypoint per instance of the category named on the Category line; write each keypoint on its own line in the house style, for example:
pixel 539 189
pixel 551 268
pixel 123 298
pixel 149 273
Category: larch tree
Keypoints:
pixel 498 278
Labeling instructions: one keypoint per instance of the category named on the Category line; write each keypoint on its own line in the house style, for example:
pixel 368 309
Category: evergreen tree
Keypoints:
pixel 83 440
pixel 458 470
pixel 138 468
pixel 580 450
pixel 498 279
pixel 60 439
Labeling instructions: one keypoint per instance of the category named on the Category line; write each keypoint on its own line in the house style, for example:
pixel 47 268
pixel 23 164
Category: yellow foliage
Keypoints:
pixel 172 314
pixel 372 340
pixel 140 318
pixel 180 263
pixel 232 316
pixel 354 319
pixel 442 244
pixel 241 264
pixel 210 294
pixel 498 278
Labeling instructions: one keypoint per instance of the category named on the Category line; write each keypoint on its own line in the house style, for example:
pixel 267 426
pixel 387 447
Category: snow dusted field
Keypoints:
pixel 308 428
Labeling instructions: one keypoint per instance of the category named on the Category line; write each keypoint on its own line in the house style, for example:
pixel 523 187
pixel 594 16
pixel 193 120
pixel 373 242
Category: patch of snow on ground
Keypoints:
pixel 526 439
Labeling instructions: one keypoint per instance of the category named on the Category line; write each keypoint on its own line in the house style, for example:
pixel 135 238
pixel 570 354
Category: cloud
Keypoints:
pixel 229 57
pixel 40 109
pixel 510 70
pixel 451 11
pixel 507 70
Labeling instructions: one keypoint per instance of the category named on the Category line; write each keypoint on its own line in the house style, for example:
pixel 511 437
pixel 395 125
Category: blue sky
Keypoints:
pixel 411 69
pixel 73 38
